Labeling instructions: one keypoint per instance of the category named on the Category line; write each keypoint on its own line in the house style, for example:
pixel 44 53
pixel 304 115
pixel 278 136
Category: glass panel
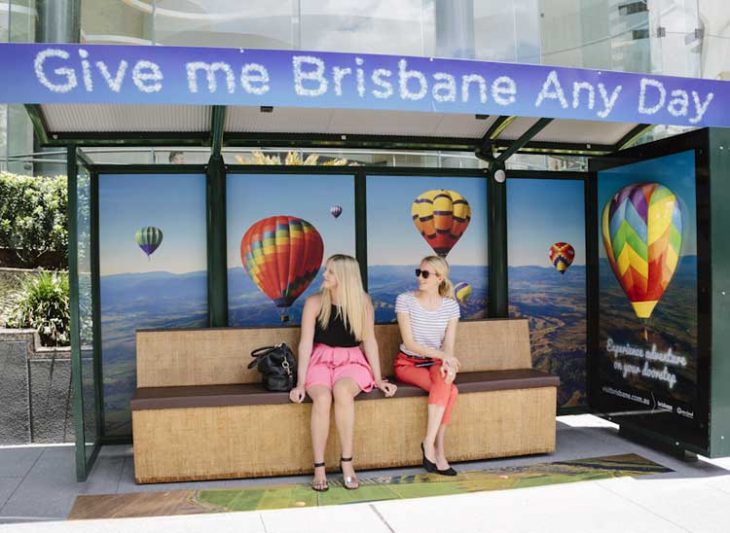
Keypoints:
pixel 547 277
pixel 4 38
pixel 676 42
pixel 115 22
pixel 22 21
pixel 86 310
pixel 225 23
pixel 148 156
pixel 507 31
pixel 153 272
pixel 374 26
pixel 17 25
pixel 307 211
pixel 714 20
pixel 396 245
pixel 610 34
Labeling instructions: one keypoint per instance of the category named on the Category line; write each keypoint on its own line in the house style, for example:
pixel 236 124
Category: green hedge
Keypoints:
pixel 33 215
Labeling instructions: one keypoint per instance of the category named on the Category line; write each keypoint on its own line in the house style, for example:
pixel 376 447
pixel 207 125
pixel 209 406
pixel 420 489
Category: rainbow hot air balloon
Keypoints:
pixel 149 239
pixel 282 255
pixel 462 291
pixel 442 217
pixel 561 255
pixel 336 211
pixel 642 234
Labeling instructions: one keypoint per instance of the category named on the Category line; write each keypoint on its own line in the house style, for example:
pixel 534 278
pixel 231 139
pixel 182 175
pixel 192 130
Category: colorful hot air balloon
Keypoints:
pixel 462 291
pixel 442 217
pixel 336 211
pixel 642 234
pixel 561 255
pixel 149 239
pixel 282 255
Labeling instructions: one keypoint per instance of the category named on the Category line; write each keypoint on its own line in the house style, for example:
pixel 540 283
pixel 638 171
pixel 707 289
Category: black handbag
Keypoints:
pixel 277 366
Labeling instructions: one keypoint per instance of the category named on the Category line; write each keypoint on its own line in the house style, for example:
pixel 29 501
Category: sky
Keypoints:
pixel 676 171
pixel 393 238
pixel 541 212
pixel 128 202
pixel 251 197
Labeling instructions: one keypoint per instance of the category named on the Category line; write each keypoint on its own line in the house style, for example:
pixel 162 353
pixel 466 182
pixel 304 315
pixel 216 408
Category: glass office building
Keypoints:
pixel 672 37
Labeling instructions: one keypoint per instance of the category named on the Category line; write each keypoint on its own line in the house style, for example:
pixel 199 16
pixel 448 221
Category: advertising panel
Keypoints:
pixel 648 310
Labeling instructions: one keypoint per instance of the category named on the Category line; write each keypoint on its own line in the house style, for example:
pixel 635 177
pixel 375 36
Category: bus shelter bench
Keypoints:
pixel 185 428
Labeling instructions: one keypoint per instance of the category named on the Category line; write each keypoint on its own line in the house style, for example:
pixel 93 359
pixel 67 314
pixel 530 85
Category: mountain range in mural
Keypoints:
pixel 553 303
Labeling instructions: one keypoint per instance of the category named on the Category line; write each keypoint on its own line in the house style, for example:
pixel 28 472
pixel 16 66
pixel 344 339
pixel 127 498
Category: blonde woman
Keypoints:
pixel 338 358
pixel 427 319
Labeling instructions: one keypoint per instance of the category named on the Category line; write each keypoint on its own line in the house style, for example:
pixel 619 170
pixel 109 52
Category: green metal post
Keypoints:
pixel 719 145
pixel 498 294
pixel 216 225
pixel 361 222
pixel 73 284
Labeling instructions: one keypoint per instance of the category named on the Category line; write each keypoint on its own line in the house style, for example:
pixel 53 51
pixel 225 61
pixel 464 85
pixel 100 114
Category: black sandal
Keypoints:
pixel 349 482
pixel 320 487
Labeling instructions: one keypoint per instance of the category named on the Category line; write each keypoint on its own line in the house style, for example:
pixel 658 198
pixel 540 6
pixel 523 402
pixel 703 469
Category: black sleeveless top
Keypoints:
pixel 336 333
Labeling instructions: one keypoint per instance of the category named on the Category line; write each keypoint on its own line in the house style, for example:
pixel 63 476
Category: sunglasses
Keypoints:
pixel 423 273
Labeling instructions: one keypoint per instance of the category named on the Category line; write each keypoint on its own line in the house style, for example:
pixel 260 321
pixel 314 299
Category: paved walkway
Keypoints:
pixel 38 488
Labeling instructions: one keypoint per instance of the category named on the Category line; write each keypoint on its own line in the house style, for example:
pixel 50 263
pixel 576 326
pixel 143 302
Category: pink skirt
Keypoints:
pixel 329 364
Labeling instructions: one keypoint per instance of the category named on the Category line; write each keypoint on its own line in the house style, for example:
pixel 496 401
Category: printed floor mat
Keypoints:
pixel 379 488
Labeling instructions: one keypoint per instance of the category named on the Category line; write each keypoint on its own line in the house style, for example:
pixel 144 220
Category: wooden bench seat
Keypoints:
pixel 199 413
pixel 255 394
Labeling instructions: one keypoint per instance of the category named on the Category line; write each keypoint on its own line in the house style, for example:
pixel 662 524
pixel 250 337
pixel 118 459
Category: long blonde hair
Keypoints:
pixel 441 267
pixel 350 296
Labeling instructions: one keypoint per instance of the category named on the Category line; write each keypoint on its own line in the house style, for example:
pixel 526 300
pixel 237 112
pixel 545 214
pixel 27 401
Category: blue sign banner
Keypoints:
pixel 102 74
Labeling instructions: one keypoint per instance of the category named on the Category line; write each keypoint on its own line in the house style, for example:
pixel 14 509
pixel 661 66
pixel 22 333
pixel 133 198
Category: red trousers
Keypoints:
pixel 429 379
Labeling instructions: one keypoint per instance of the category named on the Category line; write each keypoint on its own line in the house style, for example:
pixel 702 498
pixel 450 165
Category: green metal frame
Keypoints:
pixel 315 141
pixel 96 301
pixel 490 148
pixel 83 463
pixel 73 281
pixel 719 292
pixel 216 224
pixel 361 225
pixel 632 426
pixel 40 127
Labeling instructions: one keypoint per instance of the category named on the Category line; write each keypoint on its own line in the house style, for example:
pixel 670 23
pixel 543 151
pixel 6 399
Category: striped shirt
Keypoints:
pixel 427 327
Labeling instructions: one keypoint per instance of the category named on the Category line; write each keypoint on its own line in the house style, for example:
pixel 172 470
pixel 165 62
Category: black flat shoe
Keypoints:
pixel 447 472
pixel 428 465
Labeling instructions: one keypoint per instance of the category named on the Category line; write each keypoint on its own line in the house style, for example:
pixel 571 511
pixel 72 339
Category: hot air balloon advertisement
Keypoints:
pixel 441 217
pixel 463 291
pixel 336 211
pixel 642 234
pixel 282 255
pixel 561 256
pixel 148 239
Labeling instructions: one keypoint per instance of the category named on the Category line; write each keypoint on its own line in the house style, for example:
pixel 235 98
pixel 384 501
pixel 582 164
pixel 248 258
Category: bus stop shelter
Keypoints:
pixel 120 96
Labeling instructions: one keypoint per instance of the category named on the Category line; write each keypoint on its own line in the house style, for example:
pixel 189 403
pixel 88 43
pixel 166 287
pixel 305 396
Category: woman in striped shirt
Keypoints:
pixel 427 319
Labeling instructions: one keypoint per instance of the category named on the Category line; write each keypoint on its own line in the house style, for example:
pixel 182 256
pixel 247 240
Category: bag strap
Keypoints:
pixel 260 352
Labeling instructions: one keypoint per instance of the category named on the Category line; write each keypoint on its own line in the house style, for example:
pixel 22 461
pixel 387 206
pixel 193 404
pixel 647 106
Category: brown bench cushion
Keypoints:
pixel 255 394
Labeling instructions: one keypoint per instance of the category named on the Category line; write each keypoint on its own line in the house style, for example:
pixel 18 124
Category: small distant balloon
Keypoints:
pixel 462 291
pixel 441 217
pixel 148 239
pixel 336 211
pixel 561 255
